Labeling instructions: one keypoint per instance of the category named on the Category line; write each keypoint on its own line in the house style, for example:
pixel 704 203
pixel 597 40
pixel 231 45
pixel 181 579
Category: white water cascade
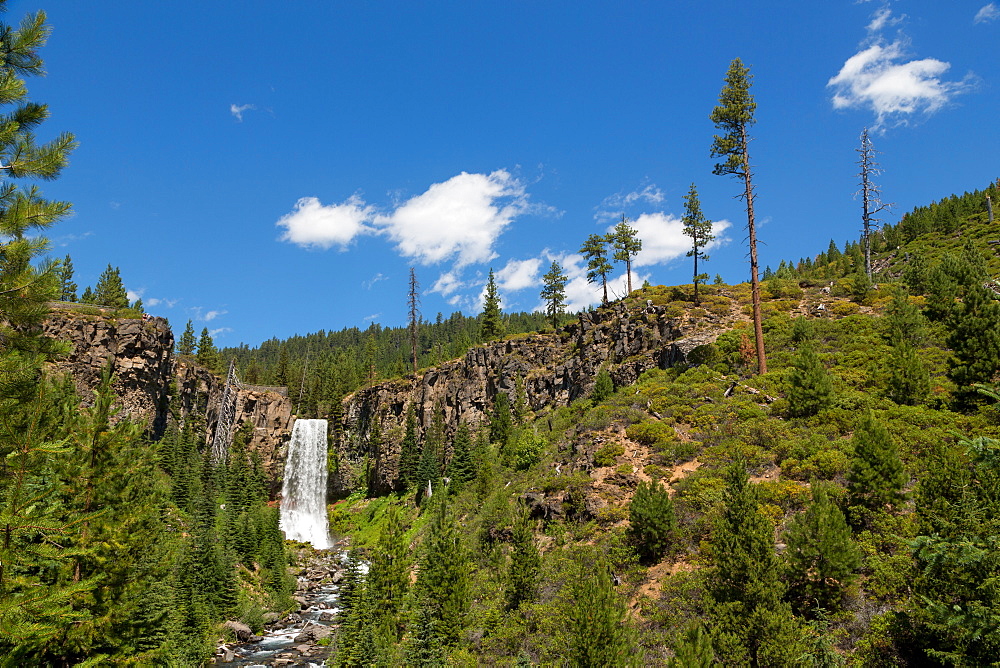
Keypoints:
pixel 303 492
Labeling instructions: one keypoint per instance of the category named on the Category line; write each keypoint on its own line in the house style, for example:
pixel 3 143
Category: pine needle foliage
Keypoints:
pixel 598 632
pixel 821 555
pixel 876 478
pixel 652 521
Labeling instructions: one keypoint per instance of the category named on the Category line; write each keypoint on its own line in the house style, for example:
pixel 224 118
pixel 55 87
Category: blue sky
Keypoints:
pixel 269 169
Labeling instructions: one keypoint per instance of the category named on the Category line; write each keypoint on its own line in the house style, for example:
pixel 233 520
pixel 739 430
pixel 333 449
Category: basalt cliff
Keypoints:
pixel 155 386
pixel 555 369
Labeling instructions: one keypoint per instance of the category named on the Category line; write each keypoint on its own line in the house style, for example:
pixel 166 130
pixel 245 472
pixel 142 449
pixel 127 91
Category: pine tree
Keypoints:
pixel 110 291
pixel 810 388
pixel 34 607
pixel 974 337
pixel 652 522
pixel 604 386
pixel 752 624
pixel 599 633
pixel 442 586
pixel 187 343
pixel 625 240
pixel 595 252
pixel 909 381
pixel 699 229
pixel 876 477
pixel 694 650
pixel 409 455
pixel 113 496
pixel 208 354
pixel 554 292
pixel 413 302
pixel 734 115
pixel 492 317
pixel 525 562
pixel 67 288
pixel 822 557
pixel 88 296
pixel 388 579
pixel 501 424
pixel 461 468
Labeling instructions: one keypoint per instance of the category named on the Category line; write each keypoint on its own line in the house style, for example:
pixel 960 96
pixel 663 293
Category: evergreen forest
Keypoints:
pixel 838 507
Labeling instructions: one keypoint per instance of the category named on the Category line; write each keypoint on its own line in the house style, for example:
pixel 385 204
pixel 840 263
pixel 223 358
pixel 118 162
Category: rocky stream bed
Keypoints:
pixel 300 638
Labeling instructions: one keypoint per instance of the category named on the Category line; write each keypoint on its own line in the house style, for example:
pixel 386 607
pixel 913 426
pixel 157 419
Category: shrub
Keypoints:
pixel 606 454
pixel 651 433
pixel 845 308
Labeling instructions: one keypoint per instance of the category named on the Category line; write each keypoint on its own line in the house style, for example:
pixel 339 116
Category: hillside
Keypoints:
pixel 818 514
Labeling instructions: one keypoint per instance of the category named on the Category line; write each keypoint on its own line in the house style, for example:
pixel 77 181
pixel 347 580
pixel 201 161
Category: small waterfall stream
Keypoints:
pixel 303 492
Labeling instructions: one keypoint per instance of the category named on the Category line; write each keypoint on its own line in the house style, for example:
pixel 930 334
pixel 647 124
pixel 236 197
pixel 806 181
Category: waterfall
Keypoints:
pixel 303 492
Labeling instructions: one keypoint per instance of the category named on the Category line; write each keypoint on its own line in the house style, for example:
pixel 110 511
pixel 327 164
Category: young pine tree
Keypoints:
pixel 822 558
pixel 67 288
pixel 876 477
pixel 810 388
pixel 699 229
pixel 604 386
pixel 461 468
pixel 599 631
pixel 752 624
pixel 409 455
pixel 442 586
pixel 501 422
pixel 187 344
pixel 492 317
pixel 652 522
pixel 525 562
pixel 208 354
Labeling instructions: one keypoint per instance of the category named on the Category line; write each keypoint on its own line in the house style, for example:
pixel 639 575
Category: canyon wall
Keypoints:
pixel 555 370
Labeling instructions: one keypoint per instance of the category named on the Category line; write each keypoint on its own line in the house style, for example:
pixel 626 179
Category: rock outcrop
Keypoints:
pixel 147 372
pixel 555 369
pixel 141 356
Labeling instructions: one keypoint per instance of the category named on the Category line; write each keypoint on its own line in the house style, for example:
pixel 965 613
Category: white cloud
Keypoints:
pixel 987 13
pixel 458 220
pixel 448 283
pixel 519 274
pixel 221 330
pixel 879 77
pixel 612 207
pixel 212 315
pixel 882 18
pixel 237 110
pixel 312 224
pixel 373 316
pixel 663 238
pixel 374 279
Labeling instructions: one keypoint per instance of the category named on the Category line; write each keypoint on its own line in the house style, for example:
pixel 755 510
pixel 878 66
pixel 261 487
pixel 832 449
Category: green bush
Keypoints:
pixel 606 454
pixel 651 433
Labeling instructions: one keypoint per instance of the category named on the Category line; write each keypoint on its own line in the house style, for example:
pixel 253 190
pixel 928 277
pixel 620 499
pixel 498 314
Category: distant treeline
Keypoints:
pixel 319 369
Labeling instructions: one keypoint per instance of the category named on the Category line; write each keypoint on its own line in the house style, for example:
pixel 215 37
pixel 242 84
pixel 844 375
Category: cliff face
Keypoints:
pixel 270 413
pixel 556 369
pixel 147 372
pixel 141 354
